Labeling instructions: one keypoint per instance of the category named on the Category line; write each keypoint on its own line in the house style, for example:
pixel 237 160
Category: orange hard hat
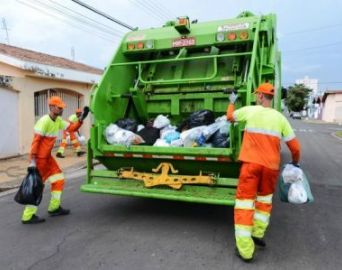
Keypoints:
pixel 265 88
pixel 57 101
pixel 78 111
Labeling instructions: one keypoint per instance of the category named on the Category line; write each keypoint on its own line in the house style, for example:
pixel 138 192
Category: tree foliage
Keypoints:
pixel 297 96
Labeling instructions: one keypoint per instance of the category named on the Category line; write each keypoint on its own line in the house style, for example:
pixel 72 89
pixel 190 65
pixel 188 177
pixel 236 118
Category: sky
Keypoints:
pixel 309 31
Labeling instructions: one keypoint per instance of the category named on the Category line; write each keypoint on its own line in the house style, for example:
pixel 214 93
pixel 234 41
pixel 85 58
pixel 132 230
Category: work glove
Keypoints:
pixel 84 113
pixel 32 166
pixel 233 97
pixel 295 164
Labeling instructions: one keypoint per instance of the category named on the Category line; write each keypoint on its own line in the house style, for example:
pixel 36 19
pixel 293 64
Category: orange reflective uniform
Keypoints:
pixel 260 154
pixel 46 131
pixel 73 138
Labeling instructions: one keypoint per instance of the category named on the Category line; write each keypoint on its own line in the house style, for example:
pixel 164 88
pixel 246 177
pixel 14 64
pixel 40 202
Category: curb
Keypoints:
pixel 337 137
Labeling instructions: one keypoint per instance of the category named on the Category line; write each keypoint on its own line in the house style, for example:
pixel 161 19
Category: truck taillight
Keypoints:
pixel 130 46
pixel 140 45
pixel 231 36
pixel 182 21
pixel 243 35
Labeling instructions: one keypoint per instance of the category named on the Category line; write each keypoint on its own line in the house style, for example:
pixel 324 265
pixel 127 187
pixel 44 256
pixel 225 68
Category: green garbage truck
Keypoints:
pixel 176 70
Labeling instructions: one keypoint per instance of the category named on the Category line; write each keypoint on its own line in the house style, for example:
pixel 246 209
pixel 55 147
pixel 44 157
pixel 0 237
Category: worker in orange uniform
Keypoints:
pixel 260 156
pixel 74 118
pixel 45 134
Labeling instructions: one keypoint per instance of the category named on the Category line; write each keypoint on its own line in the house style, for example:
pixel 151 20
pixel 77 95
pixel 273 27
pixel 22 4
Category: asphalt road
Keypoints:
pixel 109 232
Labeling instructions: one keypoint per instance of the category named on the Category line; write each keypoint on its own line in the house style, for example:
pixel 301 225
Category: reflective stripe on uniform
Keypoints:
pixel 74 141
pixel 244 204
pixel 263 131
pixel 265 199
pixel 289 138
pixel 262 216
pixel 243 231
pixel 56 195
pixel 56 177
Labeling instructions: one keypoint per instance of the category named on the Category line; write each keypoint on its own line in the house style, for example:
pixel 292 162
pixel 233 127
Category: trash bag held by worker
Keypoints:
pixel 295 189
pixel 31 189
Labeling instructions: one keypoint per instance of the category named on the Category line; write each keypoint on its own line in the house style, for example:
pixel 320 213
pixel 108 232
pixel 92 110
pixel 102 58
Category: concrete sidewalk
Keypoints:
pixel 13 170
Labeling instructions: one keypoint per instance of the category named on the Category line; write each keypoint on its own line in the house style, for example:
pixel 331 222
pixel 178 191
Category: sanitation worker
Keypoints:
pixel 74 118
pixel 45 134
pixel 260 157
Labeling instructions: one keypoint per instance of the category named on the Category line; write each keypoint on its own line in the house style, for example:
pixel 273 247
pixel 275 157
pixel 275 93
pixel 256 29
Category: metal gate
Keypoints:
pixel 72 100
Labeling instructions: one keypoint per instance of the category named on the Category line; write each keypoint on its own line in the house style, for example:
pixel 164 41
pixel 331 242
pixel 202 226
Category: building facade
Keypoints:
pixel 27 80
pixel 332 106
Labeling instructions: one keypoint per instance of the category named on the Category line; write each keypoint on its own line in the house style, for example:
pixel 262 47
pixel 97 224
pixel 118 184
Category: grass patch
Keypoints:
pixel 339 133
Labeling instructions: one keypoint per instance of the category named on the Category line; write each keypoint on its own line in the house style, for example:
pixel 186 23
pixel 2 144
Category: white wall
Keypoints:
pixel 9 123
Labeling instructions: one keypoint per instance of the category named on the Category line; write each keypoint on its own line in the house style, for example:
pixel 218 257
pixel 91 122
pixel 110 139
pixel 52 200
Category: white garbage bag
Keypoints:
pixel 291 174
pixel 161 121
pixel 297 193
pixel 117 135
pixel 161 142
pixel 81 139
pixel 140 127
pixel 191 136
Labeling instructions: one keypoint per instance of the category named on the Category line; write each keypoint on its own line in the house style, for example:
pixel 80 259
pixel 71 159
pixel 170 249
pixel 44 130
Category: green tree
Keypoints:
pixel 297 96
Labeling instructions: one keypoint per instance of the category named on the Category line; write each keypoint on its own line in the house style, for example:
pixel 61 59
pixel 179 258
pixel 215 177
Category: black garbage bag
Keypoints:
pixel 219 140
pixel 149 134
pixel 31 189
pixel 128 124
pixel 201 118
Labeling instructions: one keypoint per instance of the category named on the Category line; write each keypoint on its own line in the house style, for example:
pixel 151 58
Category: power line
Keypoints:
pixel 63 20
pixel 103 14
pixel 313 29
pixel 156 7
pixel 148 10
pixel 311 48
pixel 164 8
pixel 66 14
pixel 90 19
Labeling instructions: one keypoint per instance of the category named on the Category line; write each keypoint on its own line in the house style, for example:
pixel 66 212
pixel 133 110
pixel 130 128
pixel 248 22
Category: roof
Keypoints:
pixel 329 92
pixel 46 59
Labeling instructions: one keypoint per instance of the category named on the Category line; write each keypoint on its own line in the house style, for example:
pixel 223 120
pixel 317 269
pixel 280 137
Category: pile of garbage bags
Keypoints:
pixel 294 186
pixel 200 129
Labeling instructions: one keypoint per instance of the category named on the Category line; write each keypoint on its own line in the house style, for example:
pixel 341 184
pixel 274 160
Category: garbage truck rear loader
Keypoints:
pixel 176 70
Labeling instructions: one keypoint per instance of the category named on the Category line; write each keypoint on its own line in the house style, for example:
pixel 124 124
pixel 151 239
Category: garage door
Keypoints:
pixel 9 137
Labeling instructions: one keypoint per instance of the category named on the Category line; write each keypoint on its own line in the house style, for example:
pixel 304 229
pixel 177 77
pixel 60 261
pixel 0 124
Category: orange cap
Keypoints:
pixel 78 111
pixel 56 101
pixel 265 88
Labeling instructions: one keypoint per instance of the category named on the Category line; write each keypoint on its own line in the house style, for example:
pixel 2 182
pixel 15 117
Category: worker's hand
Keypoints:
pixel 32 163
pixel 296 164
pixel 84 113
pixel 233 97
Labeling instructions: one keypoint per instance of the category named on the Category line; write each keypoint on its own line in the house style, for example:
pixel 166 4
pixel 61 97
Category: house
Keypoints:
pixel 332 106
pixel 27 80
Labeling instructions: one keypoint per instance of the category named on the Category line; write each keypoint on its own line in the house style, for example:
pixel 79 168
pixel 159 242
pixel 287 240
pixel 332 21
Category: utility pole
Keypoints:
pixel 73 53
pixel 4 27
pixel 103 14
